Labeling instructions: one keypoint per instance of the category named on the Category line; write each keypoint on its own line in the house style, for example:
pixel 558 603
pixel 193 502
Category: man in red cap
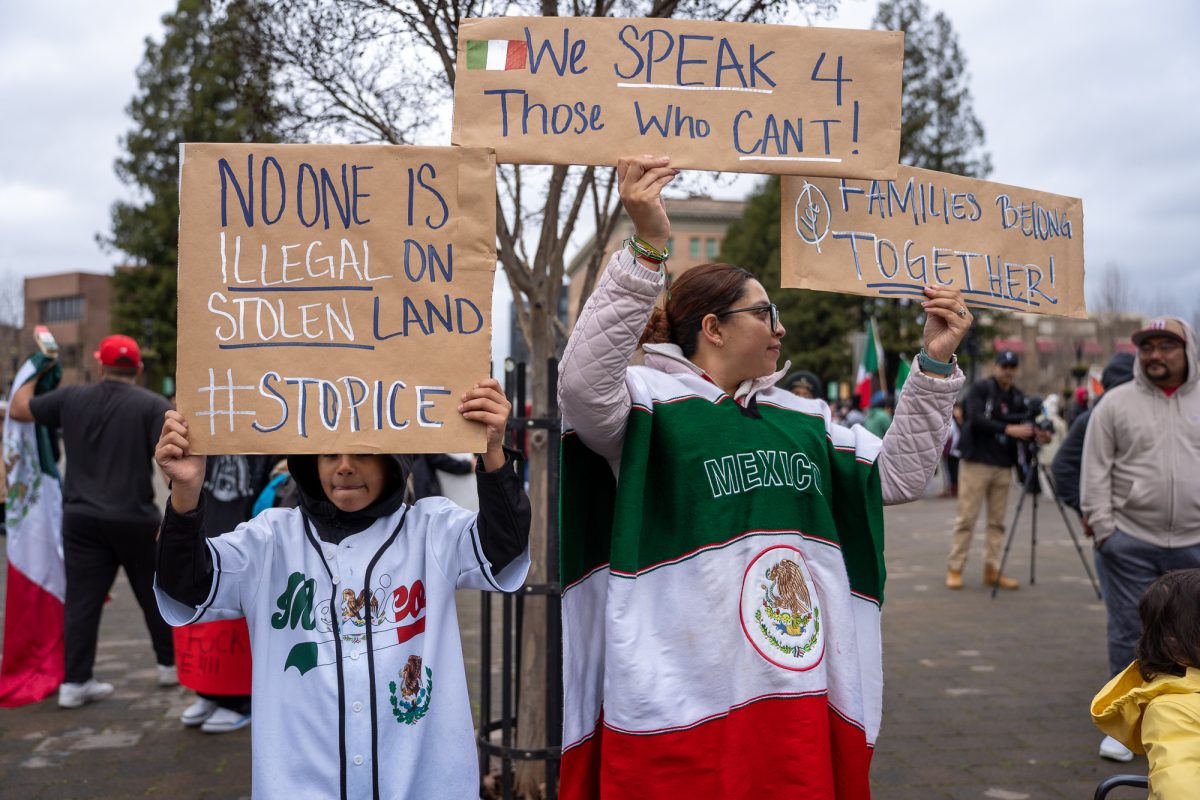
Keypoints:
pixel 1139 485
pixel 110 429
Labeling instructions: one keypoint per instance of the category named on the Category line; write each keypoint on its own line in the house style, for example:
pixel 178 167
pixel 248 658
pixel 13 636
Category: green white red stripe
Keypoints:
pixel 721 616
pixel 496 54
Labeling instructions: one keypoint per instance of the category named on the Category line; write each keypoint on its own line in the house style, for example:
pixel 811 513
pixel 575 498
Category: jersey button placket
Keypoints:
pixel 358 760
pixel 357 707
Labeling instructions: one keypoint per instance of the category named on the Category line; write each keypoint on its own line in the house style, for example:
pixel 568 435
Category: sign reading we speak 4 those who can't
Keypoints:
pixel 333 299
pixel 737 97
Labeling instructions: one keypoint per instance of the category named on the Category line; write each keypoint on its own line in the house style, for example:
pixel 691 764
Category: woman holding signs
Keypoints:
pixel 722 552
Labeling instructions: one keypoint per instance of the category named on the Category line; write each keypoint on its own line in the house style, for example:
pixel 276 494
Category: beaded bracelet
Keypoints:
pixel 644 250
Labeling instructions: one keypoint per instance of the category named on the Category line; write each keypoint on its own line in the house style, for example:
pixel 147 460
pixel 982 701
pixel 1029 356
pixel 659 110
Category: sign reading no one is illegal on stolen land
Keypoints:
pixel 334 299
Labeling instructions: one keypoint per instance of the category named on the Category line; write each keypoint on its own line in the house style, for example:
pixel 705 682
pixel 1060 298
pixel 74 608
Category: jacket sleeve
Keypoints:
pixel 1065 467
pixel 184 569
pixel 1095 480
pixel 912 446
pixel 1170 734
pixel 504 514
pixel 978 423
pixel 592 393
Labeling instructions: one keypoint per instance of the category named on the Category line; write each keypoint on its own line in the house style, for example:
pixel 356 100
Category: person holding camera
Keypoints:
pixel 988 442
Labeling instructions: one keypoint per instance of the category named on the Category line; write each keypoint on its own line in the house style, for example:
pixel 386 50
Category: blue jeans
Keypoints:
pixel 1127 566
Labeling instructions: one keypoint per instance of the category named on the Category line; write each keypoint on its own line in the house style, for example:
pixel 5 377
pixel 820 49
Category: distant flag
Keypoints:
pixel 496 54
pixel 872 361
pixel 902 372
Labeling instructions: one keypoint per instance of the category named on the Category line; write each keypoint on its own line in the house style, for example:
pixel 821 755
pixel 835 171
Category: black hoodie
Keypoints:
pixel 184 568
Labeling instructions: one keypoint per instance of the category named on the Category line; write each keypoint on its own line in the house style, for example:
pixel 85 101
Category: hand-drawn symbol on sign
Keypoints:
pixel 812 215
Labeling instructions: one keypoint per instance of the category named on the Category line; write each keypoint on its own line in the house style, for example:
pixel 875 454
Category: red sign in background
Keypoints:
pixel 214 657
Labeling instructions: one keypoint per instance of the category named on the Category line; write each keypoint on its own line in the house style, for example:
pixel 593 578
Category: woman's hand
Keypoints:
pixel 174 457
pixel 486 403
pixel 947 321
pixel 641 181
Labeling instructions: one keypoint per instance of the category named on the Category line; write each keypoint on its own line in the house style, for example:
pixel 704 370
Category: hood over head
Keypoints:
pixel 1189 348
pixel 332 523
pixel 1119 370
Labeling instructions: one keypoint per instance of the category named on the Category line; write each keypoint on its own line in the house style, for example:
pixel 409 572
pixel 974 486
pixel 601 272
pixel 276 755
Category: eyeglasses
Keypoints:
pixel 1164 346
pixel 769 308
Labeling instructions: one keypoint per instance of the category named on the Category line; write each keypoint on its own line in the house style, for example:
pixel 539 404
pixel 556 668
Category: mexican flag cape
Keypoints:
pixel 721 601
pixel 32 664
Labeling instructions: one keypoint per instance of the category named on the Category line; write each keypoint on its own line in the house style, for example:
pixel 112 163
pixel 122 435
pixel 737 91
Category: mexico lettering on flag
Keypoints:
pixel 496 54
pixel 721 600
pixel 32 665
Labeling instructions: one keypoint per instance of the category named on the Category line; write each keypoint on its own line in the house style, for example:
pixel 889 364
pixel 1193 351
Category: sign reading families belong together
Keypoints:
pixel 333 299
pixel 1004 247
pixel 718 96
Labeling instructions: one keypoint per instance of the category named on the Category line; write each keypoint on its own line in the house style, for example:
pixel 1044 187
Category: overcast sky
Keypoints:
pixel 1090 98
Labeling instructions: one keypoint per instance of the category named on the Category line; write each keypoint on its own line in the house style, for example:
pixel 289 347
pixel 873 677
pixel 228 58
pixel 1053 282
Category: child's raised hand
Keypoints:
pixel 486 403
pixel 174 457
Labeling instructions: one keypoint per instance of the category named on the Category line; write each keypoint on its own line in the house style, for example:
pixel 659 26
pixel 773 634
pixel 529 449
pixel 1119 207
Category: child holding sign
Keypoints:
pixel 359 684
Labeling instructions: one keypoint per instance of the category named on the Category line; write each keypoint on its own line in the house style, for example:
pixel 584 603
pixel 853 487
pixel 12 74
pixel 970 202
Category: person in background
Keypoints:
pixel 231 485
pixel 1153 706
pixel 879 417
pixel 804 384
pixel 425 481
pixel 109 431
pixel 1138 484
pixel 1066 463
pixel 989 452
pixel 951 454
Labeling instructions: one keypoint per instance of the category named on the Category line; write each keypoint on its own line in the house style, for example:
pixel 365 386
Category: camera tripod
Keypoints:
pixel 1030 487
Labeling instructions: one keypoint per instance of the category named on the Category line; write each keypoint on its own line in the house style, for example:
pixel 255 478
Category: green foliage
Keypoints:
pixel 206 81
pixel 938 126
pixel 817 323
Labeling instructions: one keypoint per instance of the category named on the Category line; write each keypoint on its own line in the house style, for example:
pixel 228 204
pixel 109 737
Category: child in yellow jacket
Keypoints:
pixel 1153 707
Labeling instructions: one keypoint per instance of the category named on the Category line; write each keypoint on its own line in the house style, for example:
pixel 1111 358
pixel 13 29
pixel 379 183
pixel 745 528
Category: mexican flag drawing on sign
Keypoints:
pixel 872 358
pixel 496 54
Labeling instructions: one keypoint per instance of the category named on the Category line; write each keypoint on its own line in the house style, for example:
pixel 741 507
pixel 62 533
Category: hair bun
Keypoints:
pixel 658 328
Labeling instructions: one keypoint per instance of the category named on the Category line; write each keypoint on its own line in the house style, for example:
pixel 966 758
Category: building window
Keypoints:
pixel 694 247
pixel 62 309
pixel 711 253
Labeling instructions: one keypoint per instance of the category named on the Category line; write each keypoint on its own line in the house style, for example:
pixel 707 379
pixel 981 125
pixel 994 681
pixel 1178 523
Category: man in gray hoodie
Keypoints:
pixel 1140 485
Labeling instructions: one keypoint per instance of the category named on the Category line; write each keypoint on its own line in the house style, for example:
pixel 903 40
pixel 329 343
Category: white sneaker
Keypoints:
pixel 1113 750
pixel 223 720
pixel 73 695
pixel 198 712
pixel 167 676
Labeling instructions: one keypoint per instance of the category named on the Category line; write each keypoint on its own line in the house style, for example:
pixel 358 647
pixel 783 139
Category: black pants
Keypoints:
pixel 92 550
pixel 234 702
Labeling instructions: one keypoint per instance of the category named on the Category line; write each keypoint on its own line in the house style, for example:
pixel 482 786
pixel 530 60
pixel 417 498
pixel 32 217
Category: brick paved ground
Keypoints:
pixel 983 698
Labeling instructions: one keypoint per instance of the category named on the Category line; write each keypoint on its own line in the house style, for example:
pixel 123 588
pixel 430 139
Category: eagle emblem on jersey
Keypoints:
pixel 355 608
pixel 780 615
pixel 416 690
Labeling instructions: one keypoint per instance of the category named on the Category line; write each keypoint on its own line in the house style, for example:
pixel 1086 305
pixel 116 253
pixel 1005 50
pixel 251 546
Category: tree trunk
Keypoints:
pixel 531 710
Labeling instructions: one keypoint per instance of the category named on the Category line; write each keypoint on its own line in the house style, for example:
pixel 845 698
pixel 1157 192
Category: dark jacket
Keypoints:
pixel 987 411
pixel 1067 462
pixel 184 569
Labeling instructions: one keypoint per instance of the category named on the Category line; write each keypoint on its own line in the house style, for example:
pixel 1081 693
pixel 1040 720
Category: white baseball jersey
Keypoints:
pixel 359 685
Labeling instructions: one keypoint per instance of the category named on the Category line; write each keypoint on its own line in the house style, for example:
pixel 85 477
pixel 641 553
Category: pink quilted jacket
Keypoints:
pixel 595 400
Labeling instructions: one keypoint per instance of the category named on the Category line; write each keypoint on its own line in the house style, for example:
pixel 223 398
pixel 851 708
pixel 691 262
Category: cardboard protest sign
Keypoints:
pixel 1005 247
pixel 727 96
pixel 333 299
